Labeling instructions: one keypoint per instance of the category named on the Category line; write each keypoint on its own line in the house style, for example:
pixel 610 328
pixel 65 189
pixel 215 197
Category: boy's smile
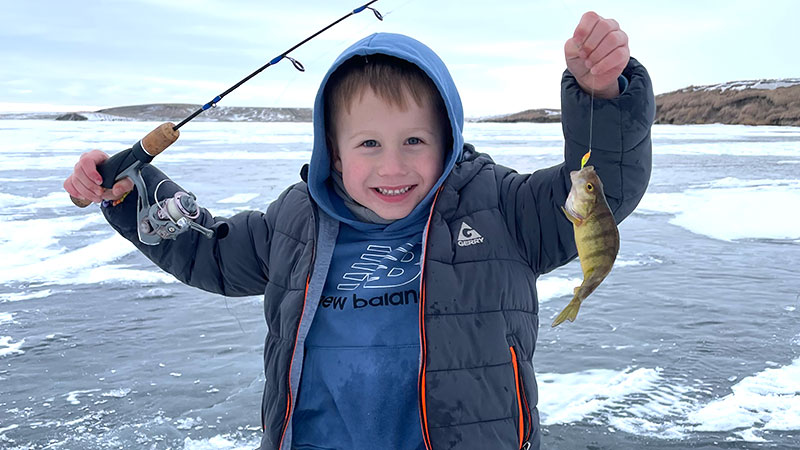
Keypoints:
pixel 389 157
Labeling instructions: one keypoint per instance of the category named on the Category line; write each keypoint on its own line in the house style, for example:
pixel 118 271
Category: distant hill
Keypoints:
pixel 750 102
pixel 176 112
pixel 530 115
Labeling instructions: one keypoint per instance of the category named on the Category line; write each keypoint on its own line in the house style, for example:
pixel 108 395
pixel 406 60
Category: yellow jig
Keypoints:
pixel 585 158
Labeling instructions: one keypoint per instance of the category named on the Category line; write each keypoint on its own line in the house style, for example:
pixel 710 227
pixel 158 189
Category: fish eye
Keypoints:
pixel 589 187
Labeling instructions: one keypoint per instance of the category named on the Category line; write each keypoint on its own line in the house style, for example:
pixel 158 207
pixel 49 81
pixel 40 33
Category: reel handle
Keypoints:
pixel 142 152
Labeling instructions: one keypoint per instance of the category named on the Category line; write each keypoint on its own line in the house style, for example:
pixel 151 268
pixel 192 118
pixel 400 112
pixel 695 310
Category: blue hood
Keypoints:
pixel 411 50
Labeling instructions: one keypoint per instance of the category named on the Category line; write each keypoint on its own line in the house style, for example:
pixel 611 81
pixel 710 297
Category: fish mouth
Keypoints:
pixel 571 210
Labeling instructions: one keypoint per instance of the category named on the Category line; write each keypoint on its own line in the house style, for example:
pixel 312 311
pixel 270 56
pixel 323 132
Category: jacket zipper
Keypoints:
pixel 522 403
pixel 289 404
pixel 423 363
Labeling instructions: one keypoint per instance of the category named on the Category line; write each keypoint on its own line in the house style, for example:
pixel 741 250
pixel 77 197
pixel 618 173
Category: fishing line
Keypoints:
pixel 285 55
pixel 234 315
pixel 173 216
pixel 586 157
pixel 334 47
pixel 573 12
pixel 399 7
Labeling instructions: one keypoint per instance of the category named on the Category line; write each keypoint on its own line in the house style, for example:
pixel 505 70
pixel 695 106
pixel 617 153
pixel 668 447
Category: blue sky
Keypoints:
pixel 505 56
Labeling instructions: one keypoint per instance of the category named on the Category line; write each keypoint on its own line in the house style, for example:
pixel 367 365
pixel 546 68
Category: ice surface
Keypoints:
pixel 766 401
pixel 715 209
pixel 725 140
pixel 8 428
pixel 38 256
pixel 551 287
pixel 769 400
pixel 219 442
pixel 9 347
pixel 571 397
pixel 188 423
pixel 239 198
pixel 72 397
pixel 46 241
pixel 117 393
pixel 647 427
pixel 18 296
pixel 6 318
pixel 17 204
pixel 236 155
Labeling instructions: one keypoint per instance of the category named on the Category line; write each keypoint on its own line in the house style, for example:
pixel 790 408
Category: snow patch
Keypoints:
pixel 571 397
pixel 117 393
pixel 219 442
pixel 768 400
pixel 717 209
pixel 768 84
pixel 6 318
pixel 553 287
pixel 8 347
pixel 239 198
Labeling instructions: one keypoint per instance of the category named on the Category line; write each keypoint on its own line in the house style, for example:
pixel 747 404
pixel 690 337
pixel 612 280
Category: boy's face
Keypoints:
pixel 389 158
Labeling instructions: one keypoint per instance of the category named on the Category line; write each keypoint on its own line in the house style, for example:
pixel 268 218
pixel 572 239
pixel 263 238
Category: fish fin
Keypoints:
pixel 570 312
pixel 575 221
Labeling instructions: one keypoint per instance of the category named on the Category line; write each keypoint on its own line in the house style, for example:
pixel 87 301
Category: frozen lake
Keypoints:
pixel 693 341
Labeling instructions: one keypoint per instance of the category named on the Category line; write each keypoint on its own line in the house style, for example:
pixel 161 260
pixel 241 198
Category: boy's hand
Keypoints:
pixel 596 54
pixel 84 183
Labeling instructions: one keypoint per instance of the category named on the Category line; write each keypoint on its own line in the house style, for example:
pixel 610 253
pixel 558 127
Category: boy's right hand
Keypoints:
pixel 84 183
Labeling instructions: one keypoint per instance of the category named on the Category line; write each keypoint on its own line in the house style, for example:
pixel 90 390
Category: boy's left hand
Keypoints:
pixel 596 54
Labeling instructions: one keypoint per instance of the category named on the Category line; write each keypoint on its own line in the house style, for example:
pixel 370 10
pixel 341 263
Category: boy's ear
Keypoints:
pixel 333 152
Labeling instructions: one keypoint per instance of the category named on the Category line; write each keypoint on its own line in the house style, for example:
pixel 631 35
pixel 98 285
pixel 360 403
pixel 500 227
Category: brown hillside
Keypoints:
pixel 530 115
pixel 780 106
pixel 176 111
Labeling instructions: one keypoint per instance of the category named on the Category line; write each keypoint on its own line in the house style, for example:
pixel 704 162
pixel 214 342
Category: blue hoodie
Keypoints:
pixel 362 354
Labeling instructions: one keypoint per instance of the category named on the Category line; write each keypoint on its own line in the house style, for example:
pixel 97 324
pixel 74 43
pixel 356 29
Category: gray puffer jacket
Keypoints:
pixel 478 310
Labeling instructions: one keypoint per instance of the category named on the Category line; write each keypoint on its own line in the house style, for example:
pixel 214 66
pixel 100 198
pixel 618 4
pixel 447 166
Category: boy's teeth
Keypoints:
pixel 393 191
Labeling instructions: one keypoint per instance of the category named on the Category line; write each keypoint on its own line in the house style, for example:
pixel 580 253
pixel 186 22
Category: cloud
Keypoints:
pixel 135 51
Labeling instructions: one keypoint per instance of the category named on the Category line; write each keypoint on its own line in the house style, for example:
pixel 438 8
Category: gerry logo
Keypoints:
pixel 468 236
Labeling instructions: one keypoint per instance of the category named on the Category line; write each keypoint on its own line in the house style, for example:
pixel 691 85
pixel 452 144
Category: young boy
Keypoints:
pixel 399 277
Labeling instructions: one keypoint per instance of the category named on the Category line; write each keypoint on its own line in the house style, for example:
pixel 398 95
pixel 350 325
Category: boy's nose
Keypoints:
pixel 392 163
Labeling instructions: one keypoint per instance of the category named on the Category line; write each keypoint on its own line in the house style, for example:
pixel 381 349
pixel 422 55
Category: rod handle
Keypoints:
pixel 79 202
pixel 143 151
pixel 159 139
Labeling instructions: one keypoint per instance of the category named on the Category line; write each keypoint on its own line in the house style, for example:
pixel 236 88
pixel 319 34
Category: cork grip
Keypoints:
pixel 153 144
pixel 159 139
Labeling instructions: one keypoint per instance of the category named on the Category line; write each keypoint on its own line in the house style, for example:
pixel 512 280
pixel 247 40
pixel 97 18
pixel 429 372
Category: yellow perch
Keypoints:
pixel 596 235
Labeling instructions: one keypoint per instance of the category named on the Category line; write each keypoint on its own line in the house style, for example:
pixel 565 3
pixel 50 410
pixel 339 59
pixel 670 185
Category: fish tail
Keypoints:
pixel 570 312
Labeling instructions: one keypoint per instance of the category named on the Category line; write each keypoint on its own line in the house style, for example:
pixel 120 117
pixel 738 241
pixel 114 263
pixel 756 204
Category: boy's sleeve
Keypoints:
pixel 237 265
pixel 621 155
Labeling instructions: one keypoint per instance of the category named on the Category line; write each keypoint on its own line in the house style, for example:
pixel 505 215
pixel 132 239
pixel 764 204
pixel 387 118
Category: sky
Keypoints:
pixel 505 56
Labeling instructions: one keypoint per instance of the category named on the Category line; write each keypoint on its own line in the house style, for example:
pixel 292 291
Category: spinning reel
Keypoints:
pixel 161 219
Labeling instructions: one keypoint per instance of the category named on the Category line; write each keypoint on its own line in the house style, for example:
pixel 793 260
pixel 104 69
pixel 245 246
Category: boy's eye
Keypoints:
pixel 370 143
pixel 414 141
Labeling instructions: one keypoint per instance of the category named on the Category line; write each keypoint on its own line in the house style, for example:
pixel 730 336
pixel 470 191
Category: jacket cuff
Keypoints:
pixel 122 216
pixel 618 123
pixel 623 83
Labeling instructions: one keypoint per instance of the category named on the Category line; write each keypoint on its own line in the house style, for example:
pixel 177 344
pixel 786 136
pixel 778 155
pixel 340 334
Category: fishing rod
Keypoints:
pixel 167 218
